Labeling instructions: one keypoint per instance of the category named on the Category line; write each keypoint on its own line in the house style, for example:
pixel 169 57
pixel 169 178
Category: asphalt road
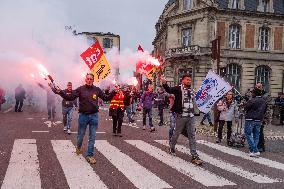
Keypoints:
pixel 36 153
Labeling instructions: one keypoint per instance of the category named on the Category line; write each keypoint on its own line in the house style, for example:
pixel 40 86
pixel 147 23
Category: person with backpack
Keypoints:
pixel 228 111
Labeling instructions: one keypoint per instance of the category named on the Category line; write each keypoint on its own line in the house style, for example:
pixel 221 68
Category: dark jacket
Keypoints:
pixel 88 98
pixel 68 104
pixel 176 91
pixel 255 109
pixel 20 93
pixel 127 98
pixel 147 100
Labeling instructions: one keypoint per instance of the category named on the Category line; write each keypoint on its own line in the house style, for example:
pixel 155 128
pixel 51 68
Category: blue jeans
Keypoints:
pixel 83 121
pixel 67 116
pixel 172 125
pixel 133 107
pixel 128 112
pixel 207 116
pixel 252 129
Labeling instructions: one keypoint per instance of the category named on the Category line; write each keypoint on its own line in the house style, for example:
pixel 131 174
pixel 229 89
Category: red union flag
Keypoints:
pixel 92 55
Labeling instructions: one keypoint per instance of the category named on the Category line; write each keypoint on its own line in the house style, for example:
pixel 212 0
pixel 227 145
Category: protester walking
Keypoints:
pixel 146 102
pixel 116 111
pixel 172 117
pixel 127 103
pixel 161 101
pixel 50 102
pixel 208 117
pixel 68 108
pixel 88 95
pixel 20 95
pixel 183 107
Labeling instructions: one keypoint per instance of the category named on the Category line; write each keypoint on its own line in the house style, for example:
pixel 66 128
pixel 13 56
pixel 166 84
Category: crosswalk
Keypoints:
pixel 24 171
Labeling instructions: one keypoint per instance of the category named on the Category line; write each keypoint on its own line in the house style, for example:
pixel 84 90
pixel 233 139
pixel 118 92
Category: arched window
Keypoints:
pixel 263 39
pixel 262 75
pixel 234 36
pixel 233 75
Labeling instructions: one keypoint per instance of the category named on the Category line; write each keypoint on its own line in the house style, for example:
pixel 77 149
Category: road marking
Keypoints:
pixel 23 168
pixel 126 124
pixel 78 172
pixel 40 131
pixel 30 118
pixel 137 174
pixel 233 152
pixel 196 173
pixel 57 122
pixel 98 132
pixel 8 110
pixel 225 165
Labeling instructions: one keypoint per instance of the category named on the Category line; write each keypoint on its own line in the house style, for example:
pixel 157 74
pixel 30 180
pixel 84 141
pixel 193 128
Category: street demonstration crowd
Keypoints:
pixel 253 107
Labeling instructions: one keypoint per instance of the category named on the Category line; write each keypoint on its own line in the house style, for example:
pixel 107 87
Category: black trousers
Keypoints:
pixel 19 105
pixel 161 114
pixel 281 116
pixel 261 142
pixel 229 129
pixel 117 121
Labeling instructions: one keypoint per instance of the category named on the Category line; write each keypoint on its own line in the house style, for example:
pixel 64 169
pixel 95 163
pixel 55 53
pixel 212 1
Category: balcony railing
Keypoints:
pixel 187 51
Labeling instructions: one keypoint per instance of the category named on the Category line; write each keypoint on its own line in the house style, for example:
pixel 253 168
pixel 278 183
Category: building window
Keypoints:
pixel 107 43
pixel 265 4
pixel 262 75
pixel 187 4
pixel 186 37
pixel 234 37
pixel 263 39
pixel 235 4
pixel 233 75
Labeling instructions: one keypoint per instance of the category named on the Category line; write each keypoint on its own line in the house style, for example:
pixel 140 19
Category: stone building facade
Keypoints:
pixel 252 42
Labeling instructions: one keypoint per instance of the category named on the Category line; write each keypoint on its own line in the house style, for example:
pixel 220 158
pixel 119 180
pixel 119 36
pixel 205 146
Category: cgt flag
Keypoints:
pixel 96 60
pixel 212 89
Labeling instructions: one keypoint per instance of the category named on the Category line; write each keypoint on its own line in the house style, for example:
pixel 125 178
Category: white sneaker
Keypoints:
pixel 144 127
pixel 257 153
pixel 69 131
pixel 65 129
pixel 251 154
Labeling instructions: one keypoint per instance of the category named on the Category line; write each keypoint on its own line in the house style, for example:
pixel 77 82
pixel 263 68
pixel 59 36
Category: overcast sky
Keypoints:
pixel 133 20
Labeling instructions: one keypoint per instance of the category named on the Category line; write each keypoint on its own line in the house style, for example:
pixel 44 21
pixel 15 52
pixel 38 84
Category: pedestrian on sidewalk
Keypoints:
pixel 255 111
pixel 20 95
pixel 146 102
pixel 183 107
pixel 88 95
pixel 68 108
pixel 228 111
pixel 208 117
pixel 279 101
pixel 116 111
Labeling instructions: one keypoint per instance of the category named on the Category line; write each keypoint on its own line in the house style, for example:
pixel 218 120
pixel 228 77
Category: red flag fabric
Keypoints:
pixel 139 64
pixel 140 48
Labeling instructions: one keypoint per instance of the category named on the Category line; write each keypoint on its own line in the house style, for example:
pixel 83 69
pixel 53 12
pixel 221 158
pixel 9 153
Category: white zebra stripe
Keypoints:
pixel 196 173
pixel 137 174
pixel 233 152
pixel 78 172
pixel 23 168
pixel 225 165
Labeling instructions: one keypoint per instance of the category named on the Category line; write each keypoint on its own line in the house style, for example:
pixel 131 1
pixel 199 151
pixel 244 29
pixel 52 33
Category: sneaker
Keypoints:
pixel 211 124
pixel 152 129
pixel 78 151
pixel 218 140
pixel 132 121
pixel 161 124
pixel 252 154
pixel 91 159
pixel 144 127
pixel 172 151
pixel 196 160
pixel 65 129
pixel 229 143
pixel 69 132
pixel 201 123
